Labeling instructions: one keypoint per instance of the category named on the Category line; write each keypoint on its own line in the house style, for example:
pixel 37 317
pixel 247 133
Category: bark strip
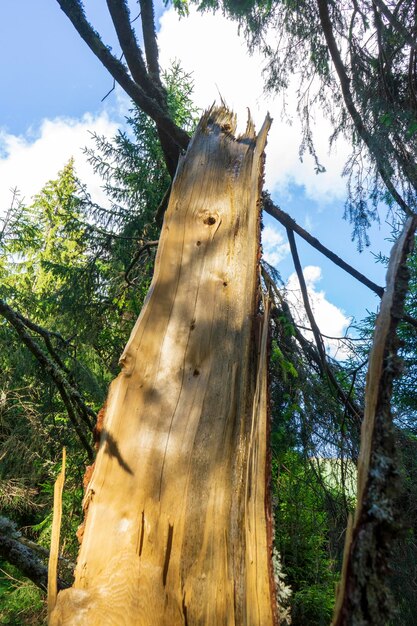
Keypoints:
pixel 363 594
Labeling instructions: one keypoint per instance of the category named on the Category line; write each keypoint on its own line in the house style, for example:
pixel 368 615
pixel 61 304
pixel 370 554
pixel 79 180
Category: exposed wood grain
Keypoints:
pixel 258 543
pixel 176 531
pixel 363 594
pixel 55 535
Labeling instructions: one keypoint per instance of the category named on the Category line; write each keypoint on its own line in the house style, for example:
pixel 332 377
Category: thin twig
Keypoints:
pixel 144 248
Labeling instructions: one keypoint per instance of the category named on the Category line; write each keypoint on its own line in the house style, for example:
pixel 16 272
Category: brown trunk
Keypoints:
pixel 363 596
pixel 176 531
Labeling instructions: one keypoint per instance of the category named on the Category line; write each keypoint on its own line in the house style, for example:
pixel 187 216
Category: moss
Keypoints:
pixel 21 602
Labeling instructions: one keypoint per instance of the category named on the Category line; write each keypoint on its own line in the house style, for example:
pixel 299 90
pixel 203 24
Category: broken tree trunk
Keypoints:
pixel 363 596
pixel 177 529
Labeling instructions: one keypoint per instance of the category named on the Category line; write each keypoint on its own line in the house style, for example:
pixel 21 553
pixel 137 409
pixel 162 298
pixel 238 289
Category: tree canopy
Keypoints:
pixel 356 61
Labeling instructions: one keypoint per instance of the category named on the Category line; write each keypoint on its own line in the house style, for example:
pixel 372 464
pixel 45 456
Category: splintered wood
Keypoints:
pixel 176 527
pixel 55 535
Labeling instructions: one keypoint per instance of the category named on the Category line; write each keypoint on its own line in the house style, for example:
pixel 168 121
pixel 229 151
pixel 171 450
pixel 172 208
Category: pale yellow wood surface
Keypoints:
pixel 257 541
pixel 176 526
pixel 55 535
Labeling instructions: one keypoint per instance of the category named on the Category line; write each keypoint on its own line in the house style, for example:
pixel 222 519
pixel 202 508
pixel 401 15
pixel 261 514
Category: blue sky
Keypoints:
pixel 46 71
pixel 52 88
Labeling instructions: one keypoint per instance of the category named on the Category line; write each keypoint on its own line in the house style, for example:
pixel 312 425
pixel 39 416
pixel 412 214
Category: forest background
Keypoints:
pixel 65 244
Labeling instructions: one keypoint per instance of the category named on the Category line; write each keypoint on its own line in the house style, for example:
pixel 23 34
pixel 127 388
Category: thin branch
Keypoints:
pixel 412 74
pixel 145 248
pixel 46 335
pixel 309 349
pixel 396 24
pixel 120 16
pixel 357 369
pixel 160 211
pixel 305 344
pixel 316 331
pixel 40 330
pixel 345 338
pixel 149 38
pixel 410 320
pixel 109 92
pixel 291 224
pixel 66 391
pixel 75 12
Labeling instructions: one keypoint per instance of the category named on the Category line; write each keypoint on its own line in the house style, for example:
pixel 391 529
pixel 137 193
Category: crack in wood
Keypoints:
pixel 184 610
pixel 142 533
pixel 167 553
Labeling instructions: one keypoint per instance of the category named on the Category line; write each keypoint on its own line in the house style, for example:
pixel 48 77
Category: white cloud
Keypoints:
pixel 308 223
pixel 28 161
pixel 331 320
pixel 209 47
pixel 274 245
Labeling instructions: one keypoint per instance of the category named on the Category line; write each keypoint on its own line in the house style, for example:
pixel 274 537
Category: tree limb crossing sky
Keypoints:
pixel 52 91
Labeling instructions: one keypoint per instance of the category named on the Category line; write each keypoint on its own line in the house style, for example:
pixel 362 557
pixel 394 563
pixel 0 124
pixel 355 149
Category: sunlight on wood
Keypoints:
pixel 55 535
pixel 176 528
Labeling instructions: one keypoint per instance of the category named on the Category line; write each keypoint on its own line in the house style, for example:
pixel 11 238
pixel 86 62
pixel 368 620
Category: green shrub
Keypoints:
pixel 21 602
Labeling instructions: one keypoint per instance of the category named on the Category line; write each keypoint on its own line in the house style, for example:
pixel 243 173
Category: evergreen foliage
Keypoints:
pixel 75 274
pixel 314 442
pixel 22 603
pixel 355 61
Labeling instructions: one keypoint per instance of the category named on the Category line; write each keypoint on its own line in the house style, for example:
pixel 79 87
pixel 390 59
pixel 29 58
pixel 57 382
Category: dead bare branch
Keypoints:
pixel 363 595
pixel 70 396
pixel 145 100
pixel 289 223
